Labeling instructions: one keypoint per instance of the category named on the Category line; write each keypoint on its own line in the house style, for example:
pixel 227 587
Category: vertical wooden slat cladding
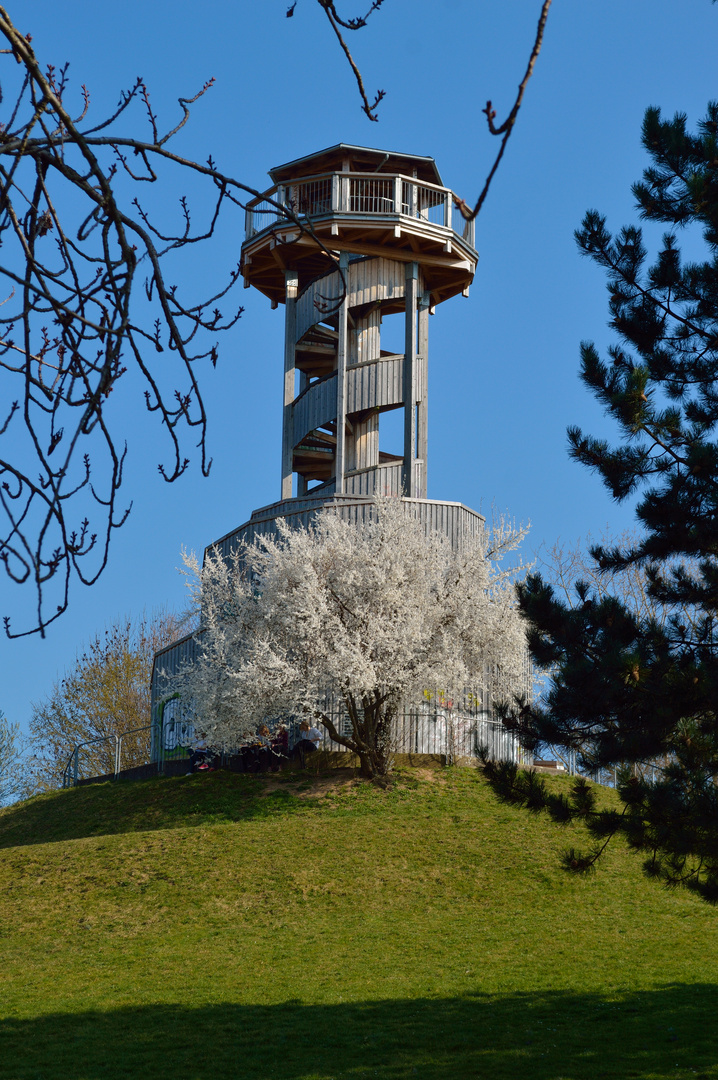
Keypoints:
pixel 419 474
pixel 453 520
pixel 375 279
pixel 369 281
pixel 375 384
pixel 316 407
pixel 382 480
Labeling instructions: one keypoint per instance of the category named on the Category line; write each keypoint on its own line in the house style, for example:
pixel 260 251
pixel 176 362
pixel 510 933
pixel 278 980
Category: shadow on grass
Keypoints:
pixel 161 803
pixel 545 1036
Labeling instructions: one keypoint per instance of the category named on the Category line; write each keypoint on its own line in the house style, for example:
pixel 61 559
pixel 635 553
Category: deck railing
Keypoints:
pixel 368 194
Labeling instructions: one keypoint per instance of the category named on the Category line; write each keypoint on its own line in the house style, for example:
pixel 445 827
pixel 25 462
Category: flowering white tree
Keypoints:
pixel 365 616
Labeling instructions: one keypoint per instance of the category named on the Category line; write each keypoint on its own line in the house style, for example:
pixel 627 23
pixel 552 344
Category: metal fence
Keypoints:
pixel 312 198
pixel 371 196
pixel 73 771
pixel 451 735
pixel 261 216
pixel 606 775
pixel 428 729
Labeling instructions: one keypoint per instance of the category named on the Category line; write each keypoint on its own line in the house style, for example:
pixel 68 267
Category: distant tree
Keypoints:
pixel 562 565
pixel 105 693
pixel 628 687
pixel 364 617
pixel 12 779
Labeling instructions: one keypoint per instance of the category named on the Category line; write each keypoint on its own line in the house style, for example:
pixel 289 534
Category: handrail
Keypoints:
pixel 120 737
pixel 377 360
pixel 346 175
pixel 76 752
pixel 73 762
pixel 66 769
pixel 336 196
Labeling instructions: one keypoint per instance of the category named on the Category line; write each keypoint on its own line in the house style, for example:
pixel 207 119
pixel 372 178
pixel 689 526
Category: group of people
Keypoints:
pixel 309 741
pixel 266 752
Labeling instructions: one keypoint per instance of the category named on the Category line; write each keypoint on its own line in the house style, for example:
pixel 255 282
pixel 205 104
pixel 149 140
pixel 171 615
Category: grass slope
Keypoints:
pixel 209 927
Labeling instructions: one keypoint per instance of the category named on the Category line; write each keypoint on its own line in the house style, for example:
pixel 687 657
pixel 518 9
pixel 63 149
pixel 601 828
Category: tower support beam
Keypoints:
pixel 422 417
pixel 410 379
pixel 291 286
pixel 340 460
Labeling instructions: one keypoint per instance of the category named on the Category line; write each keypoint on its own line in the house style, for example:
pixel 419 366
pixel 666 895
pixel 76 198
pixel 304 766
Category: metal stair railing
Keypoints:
pixel 71 772
pixel 74 760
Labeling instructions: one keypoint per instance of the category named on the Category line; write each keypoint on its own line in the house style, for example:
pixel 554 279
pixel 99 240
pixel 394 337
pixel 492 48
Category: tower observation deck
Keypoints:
pixel 382 237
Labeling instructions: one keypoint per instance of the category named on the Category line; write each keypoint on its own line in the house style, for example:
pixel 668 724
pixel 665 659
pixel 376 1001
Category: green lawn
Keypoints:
pixel 205 927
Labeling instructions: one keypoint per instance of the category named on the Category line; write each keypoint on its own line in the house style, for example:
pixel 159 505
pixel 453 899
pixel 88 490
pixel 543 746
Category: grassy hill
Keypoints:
pixel 219 926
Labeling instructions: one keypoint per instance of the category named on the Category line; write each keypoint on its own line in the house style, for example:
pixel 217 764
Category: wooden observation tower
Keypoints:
pixel 376 235
pixel 380 236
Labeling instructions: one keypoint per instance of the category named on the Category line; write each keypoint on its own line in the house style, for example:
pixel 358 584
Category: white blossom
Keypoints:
pixel 371 615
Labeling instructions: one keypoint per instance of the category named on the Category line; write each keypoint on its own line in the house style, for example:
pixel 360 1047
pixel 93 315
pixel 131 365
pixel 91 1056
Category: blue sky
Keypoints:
pixel 503 363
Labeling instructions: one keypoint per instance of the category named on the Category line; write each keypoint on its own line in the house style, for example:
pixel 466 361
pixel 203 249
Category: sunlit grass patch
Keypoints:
pixel 223 925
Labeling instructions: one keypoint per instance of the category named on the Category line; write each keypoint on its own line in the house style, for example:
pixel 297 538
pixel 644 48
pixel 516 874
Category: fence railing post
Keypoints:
pixel 398 200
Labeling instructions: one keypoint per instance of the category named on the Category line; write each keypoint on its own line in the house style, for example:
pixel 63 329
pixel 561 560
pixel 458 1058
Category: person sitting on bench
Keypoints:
pixel 308 742
pixel 280 747
pixel 198 752
pixel 257 755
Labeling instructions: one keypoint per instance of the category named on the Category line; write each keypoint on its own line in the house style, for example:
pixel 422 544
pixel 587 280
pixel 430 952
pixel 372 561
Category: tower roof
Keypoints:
pixel 358 159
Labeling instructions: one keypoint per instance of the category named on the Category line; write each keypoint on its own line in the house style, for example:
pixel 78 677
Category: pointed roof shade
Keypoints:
pixel 361 159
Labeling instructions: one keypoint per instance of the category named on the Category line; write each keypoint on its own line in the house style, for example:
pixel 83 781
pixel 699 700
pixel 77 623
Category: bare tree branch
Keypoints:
pixel 507 127
pixel 74 319
pixel 355 23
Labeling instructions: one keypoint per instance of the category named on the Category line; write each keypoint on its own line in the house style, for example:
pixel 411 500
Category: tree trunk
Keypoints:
pixel 371 734
pixel 372 728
